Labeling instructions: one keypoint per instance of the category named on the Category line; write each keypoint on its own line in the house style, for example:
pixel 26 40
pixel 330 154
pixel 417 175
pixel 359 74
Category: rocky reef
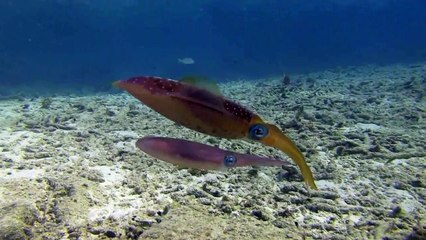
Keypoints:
pixel 69 168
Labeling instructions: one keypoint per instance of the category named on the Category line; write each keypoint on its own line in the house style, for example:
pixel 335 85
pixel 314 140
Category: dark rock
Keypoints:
pixel 132 113
pixel 110 113
pixel 214 191
pixel 250 202
pixel 290 169
pixel 328 102
pixel 395 212
pixel 282 175
pixel 74 233
pixel 324 118
pixel 165 210
pixel 146 223
pixel 28 232
pixel 225 198
pixel 225 208
pixel 197 193
pixel 375 148
pixel 418 233
pixel 284 213
pixel 289 188
pixel 299 200
pixel 364 116
pixel 110 234
pixel 26 106
pixel 260 215
pixel 253 172
pixel 94 231
pixel 279 198
pixel 417 183
pixel 340 150
pixel 133 232
pixel 70 190
pixel 310 152
pixel 326 195
pixel 357 150
pixel 316 207
pixel 365 192
pixel 196 172
pixel 373 223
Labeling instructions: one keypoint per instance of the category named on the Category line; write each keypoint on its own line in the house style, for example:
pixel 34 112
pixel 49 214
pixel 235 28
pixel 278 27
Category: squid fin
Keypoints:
pixel 202 82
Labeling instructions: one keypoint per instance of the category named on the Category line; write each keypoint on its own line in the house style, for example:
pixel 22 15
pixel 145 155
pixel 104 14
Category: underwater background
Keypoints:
pixel 75 44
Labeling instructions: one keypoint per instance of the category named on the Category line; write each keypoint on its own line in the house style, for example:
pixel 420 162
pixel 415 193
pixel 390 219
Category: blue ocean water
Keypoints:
pixel 74 44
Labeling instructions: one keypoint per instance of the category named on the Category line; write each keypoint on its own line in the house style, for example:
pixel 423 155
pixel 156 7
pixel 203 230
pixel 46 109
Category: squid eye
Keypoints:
pixel 230 160
pixel 258 131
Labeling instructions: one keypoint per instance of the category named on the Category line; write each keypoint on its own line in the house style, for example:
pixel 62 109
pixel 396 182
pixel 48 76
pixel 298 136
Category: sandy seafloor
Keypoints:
pixel 69 168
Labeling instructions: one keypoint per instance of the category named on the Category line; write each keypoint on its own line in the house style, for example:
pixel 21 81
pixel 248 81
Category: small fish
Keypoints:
pixel 200 156
pixel 186 61
pixel 205 111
